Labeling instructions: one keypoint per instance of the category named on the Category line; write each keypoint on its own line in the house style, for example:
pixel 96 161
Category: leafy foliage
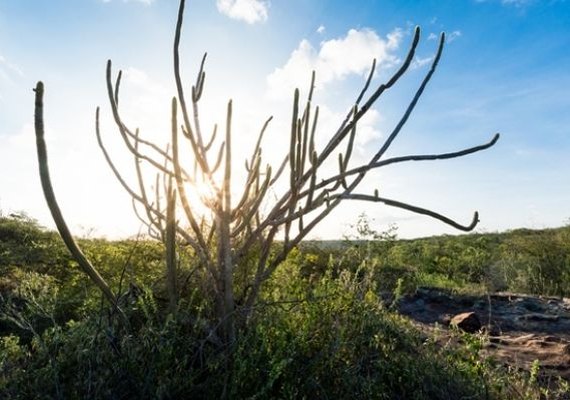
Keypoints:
pixel 320 329
pixel 526 261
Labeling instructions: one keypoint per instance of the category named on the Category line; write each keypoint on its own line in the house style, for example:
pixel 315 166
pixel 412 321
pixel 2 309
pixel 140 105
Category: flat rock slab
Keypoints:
pixel 521 328
pixel 500 312
pixel 552 352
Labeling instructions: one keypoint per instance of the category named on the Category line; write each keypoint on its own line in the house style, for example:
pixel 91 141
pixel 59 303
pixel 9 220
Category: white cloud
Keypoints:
pixel 334 60
pixel 145 103
pixel 419 62
pixel 367 131
pixel 321 29
pixel 250 11
pixel 449 37
pixel 139 78
pixel 453 36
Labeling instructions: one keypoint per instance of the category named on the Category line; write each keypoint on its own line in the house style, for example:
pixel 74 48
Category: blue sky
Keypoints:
pixel 504 69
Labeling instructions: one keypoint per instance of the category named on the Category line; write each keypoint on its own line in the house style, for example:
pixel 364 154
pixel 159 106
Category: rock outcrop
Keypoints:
pixel 467 321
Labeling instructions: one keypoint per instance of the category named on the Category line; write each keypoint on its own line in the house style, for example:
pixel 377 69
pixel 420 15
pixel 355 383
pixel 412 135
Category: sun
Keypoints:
pixel 201 198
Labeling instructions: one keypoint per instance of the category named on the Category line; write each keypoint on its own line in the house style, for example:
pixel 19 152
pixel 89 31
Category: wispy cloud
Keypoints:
pixel 250 11
pixel 335 59
pixel 419 62
pixel 453 36
pixel 449 37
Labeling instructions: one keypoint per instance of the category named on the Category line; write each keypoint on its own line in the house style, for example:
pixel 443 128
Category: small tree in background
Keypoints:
pixel 235 242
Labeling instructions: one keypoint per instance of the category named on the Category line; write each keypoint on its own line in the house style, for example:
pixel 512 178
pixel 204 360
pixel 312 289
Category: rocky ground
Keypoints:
pixel 520 329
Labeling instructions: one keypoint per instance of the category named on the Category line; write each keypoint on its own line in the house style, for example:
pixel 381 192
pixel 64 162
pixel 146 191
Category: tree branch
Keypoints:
pixel 49 194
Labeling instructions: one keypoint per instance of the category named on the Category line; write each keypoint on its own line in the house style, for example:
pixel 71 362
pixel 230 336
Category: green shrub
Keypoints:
pixel 320 329
pixel 340 344
pixel 538 262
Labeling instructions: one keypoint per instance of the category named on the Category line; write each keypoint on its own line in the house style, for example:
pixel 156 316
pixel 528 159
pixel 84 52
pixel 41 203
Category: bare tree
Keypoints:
pixel 236 244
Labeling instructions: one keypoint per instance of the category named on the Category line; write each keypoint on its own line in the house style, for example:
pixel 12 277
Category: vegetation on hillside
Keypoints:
pixel 522 260
pixel 321 328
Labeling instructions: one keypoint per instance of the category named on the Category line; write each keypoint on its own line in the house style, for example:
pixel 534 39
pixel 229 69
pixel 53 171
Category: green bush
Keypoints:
pixel 320 329
pixel 336 341
pixel 538 262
